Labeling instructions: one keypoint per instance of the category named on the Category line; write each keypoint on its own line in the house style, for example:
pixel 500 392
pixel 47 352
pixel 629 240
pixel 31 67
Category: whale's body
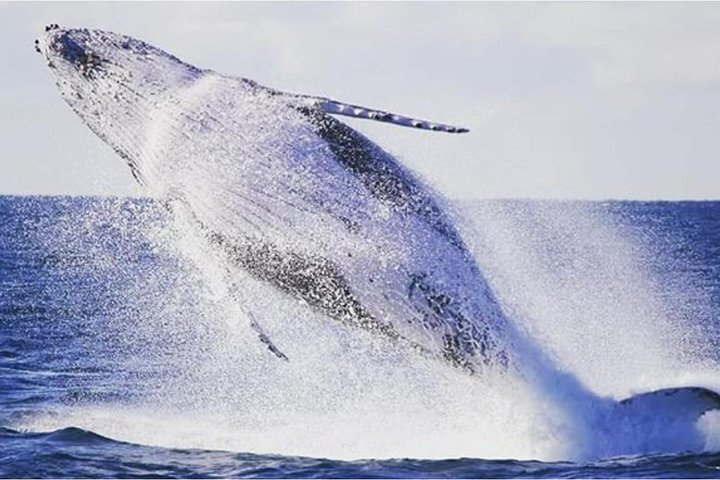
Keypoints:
pixel 290 194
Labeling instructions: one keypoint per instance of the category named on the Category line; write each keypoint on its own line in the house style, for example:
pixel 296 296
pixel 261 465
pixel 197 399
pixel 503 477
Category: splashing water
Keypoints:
pixel 349 394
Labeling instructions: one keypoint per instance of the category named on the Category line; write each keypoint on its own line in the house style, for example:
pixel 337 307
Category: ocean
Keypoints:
pixel 120 358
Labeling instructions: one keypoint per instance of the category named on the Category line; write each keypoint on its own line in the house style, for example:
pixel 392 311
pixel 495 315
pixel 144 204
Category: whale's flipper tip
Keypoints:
pixel 338 108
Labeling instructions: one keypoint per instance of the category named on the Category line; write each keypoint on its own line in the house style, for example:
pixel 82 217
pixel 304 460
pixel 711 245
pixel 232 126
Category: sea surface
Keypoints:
pixel 114 363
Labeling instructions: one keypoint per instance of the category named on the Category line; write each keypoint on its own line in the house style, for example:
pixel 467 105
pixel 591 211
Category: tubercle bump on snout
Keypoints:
pixel 60 43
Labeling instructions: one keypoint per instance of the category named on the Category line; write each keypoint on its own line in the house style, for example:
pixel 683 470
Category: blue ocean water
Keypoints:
pixel 89 295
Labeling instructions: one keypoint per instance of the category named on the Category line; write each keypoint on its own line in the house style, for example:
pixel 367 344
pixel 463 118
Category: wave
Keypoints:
pixel 73 452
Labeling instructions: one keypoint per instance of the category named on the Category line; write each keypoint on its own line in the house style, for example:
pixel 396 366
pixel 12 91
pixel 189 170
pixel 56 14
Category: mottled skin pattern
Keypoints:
pixel 381 175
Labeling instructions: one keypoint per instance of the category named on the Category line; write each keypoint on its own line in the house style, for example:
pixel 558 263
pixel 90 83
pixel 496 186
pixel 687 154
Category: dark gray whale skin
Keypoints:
pixel 383 177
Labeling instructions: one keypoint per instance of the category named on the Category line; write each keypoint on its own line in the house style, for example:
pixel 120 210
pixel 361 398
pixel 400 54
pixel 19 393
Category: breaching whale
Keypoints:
pixel 298 199
pixel 313 207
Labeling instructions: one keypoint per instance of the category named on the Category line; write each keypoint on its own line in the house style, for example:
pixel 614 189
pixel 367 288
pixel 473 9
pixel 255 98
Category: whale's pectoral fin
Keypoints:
pixel 682 402
pixel 338 108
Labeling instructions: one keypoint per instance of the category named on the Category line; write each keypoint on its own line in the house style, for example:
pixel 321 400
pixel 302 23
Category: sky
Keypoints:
pixel 563 100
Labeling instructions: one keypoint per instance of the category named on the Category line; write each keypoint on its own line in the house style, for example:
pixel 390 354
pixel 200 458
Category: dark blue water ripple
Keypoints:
pixel 73 452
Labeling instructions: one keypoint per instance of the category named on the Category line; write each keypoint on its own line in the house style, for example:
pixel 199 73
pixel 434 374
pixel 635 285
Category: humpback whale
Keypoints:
pixel 281 188
pixel 290 194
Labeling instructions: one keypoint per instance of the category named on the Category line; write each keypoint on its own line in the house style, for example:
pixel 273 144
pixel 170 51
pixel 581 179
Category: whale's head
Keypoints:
pixel 93 59
pixel 113 82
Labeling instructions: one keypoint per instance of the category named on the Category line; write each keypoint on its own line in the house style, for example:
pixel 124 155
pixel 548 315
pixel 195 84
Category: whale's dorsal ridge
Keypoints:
pixel 334 107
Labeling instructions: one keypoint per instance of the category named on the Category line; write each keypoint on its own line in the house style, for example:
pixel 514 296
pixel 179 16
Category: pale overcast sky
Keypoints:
pixel 583 100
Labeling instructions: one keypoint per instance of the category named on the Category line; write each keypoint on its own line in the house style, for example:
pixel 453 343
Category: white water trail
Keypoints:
pixel 575 282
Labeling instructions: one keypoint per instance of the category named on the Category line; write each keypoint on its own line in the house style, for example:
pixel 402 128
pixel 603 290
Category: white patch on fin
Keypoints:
pixel 338 108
